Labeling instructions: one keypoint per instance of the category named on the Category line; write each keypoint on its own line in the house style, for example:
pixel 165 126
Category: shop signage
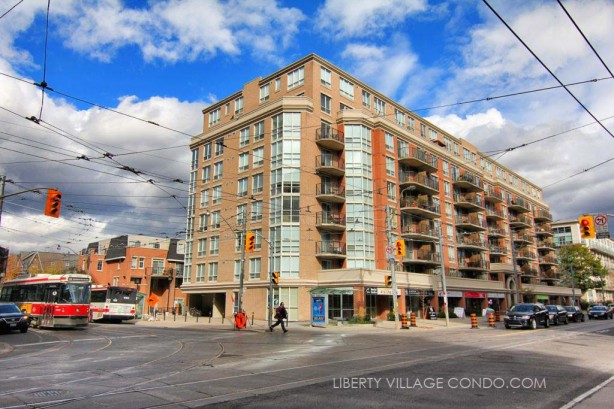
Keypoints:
pixel 380 291
pixel 318 310
pixel 495 295
pixel 474 294
pixel 452 294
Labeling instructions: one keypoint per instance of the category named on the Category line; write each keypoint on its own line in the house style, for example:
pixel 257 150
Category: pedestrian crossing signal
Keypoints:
pixel 275 278
pixel 388 281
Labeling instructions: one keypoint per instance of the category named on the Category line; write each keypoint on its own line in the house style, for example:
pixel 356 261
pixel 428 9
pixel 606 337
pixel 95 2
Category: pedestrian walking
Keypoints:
pixel 280 315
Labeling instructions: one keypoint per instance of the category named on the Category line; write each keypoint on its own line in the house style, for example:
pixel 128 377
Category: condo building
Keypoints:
pixel 327 173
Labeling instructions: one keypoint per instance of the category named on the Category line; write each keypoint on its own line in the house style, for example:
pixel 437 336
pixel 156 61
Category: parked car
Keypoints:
pixel 599 311
pixel 527 315
pixel 611 308
pixel 574 314
pixel 557 314
pixel 11 317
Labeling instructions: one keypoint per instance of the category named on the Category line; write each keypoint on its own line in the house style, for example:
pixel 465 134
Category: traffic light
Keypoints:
pixel 388 281
pixel 400 248
pixel 587 227
pixel 250 242
pixel 275 278
pixel 54 201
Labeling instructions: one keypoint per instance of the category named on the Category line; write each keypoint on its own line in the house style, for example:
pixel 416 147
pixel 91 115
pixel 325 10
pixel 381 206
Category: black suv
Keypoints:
pixel 528 315
pixel 11 317
pixel 557 314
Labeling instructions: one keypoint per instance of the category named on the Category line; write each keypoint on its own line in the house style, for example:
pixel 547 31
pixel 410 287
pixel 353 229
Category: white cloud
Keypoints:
pixel 364 18
pixel 491 119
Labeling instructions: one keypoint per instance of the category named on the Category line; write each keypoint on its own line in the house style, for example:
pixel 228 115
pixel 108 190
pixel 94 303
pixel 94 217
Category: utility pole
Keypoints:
pixel 270 309
pixel 392 272
pixel 516 275
pixel 443 277
pixel 242 274
pixel 573 286
pixel 2 182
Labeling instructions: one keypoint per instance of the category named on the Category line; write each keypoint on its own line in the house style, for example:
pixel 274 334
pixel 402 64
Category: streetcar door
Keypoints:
pixel 50 297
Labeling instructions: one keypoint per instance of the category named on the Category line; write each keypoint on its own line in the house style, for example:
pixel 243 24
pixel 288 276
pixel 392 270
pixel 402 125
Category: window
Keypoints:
pixel 456 149
pixel 204 198
pixel 379 106
pixel 244 137
pixel 237 275
pixel 466 154
pixel 264 92
pixel 206 173
pixel 325 103
pixel 227 108
pixel 446 188
pixel 423 130
pixel 445 167
pixel 254 268
pixel 134 262
pixel 390 166
pixel 410 123
pixel 432 134
pixel 389 141
pixel 218 170
pixel 203 222
pixel 207 151
pixel 259 131
pixel 399 117
pixel 219 147
pixel 242 187
pixel 212 271
pixel 200 273
pixel 277 84
pixel 296 78
pixel 217 194
pixel 214 246
pixel 392 190
pixel 257 183
pixel 239 105
pixel 215 219
pixel 258 157
pixel 366 99
pixel 325 77
pixel 448 209
pixel 241 214
pixel 243 161
pixel 346 88
pixel 214 116
pixel 142 262
pixel 202 247
pixel 257 210
pixel 342 106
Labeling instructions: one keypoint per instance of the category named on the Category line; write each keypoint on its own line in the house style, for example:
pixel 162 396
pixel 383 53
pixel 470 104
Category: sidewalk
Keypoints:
pixel 599 397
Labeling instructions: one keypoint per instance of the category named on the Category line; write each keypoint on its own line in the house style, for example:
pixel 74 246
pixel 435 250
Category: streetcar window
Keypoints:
pixel 122 295
pixel 99 296
pixel 75 294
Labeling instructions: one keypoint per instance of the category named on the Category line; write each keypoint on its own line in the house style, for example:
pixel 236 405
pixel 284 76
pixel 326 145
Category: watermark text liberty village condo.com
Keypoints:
pixel 439 383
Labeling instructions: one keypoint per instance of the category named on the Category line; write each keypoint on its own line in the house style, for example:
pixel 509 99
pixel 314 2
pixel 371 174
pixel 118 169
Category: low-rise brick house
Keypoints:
pixel 152 265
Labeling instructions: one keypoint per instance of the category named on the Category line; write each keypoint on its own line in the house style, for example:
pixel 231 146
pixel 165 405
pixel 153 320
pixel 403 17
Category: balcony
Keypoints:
pixel 329 138
pixel 519 205
pixel 494 214
pixel 468 182
pixel 522 238
pixel 497 250
pixel 471 202
pixel 544 229
pixel 550 275
pixel 330 165
pixel 525 255
pixel 493 196
pixel 422 182
pixel 423 257
pixel 527 271
pixel 418 159
pixel 420 207
pixel 541 215
pixel 496 232
pixel 471 243
pixel 474 265
pixel 419 232
pixel 470 223
pixel 548 260
pixel 159 272
pixel 332 221
pixel 520 222
pixel 331 193
pixel 547 244
pixel 332 249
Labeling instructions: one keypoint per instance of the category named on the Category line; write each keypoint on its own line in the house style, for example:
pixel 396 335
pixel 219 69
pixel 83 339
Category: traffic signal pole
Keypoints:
pixel 242 274
pixel 392 272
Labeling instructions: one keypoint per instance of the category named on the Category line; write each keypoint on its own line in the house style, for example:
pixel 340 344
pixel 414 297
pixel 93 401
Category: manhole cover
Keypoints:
pixel 45 394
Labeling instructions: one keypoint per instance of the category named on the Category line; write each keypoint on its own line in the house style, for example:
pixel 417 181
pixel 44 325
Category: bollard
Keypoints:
pixel 404 321
pixel 252 318
pixel 491 320
pixel 223 316
pixel 412 319
pixel 498 316
pixel 210 315
pixel 474 322
pixel 186 316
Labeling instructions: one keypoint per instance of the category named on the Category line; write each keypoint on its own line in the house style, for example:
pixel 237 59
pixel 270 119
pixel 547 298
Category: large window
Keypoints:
pixel 213 271
pixel 214 247
pixel 264 92
pixel 296 78
pixel 257 210
pixel 202 247
pixel 257 183
pixel 379 106
pixel 219 147
pixel 218 170
pixel 200 273
pixel 259 131
pixel 325 103
pixel 366 99
pixel 346 88
pixel 239 105
pixel 258 157
pixel 244 137
pixel 243 161
pixel 390 165
pixel 214 116
pixel 204 198
pixel 389 140
pixel 325 77
pixel 242 187
pixel 254 268
pixel 207 151
pixel 399 117
pixel 206 173
pixel 217 194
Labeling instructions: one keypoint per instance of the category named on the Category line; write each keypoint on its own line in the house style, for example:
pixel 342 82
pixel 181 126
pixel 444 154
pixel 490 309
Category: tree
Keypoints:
pixel 587 269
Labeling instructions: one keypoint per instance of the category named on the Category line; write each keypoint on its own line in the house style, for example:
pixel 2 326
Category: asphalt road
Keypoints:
pixel 148 366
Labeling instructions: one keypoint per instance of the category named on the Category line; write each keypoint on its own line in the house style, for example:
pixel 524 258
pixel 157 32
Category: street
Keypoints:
pixel 148 365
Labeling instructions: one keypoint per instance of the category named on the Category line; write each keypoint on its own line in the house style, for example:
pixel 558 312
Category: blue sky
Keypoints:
pixel 164 61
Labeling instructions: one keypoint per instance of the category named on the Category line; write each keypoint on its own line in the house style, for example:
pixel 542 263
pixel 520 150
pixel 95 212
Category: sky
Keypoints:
pixel 126 83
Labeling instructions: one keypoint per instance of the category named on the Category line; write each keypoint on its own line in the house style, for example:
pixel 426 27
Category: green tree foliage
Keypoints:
pixel 588 270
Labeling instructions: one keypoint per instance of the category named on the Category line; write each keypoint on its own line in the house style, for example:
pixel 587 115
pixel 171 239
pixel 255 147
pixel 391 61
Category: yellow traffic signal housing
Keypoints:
pixel 250 242
pixel 275 278
pixel 388 281
pixel 587 227
pixel 400 248
pixel 53 204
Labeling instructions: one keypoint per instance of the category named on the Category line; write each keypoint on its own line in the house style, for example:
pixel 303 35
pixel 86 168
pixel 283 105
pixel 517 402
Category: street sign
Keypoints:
pixel 389 249
pixel 602 230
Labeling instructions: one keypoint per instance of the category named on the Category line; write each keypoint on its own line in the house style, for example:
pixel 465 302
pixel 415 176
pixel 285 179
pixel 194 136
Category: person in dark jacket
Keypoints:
pixel 280 315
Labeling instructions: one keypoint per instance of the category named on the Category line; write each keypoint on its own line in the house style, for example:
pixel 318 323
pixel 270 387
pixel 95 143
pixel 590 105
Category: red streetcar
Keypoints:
pixel 51 301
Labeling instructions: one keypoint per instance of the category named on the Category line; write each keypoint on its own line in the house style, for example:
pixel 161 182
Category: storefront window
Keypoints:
pixel 340 306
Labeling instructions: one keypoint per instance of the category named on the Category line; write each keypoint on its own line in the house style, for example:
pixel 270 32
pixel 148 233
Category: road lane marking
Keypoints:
pixel 586 394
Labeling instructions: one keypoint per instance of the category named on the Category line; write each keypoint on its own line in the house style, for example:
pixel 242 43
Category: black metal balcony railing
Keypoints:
pixel 493 195
pixel 548 244
pixel 496 231
pixel 525 254
pixel 477 264
pixel 470 220
pixel 469 178
pixel 519 204
pixel 333 165
pixel 543 229
pixel 521 220
pixel 325 134
pixel 525 238
pixel 422 256
pixel 419 230
pixel 409 202
pixel 497 249
pixel 331 247
pixel 475 200
pixel 329 190
pixel 419 179
pixel 547 260
pixel 494 213
pixel 541 214
pixel 330 218
pixel 471 241
pixel 418 158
